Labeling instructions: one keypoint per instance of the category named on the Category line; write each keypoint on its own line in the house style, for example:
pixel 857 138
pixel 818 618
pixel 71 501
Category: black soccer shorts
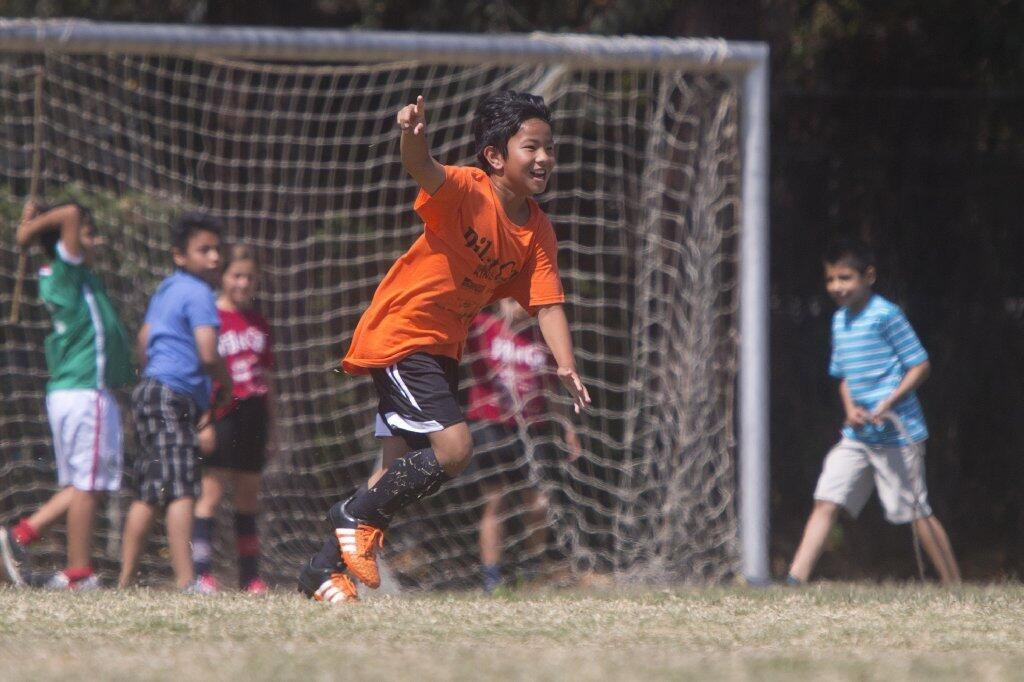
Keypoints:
pixel 418 395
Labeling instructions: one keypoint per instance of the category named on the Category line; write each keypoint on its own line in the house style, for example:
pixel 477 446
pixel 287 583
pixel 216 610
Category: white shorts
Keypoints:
pixel 852 469
pixel 87 439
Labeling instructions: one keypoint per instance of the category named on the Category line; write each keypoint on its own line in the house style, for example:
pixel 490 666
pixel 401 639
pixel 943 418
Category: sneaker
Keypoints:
pixel 358 543
pixel 490 578
pixel 14 557
pixel 59 581
pixel 205 585
pixel 255 586
pixel 329 585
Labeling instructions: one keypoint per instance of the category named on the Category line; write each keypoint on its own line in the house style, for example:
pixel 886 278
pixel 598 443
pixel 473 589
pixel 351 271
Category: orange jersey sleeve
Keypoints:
pixel 469 254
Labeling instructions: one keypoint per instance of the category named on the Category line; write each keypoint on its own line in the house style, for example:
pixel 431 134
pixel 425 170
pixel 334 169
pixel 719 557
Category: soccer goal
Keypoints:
pixel 658 200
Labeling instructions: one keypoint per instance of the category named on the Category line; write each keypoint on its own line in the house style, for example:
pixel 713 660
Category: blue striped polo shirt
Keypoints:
pixel 873 350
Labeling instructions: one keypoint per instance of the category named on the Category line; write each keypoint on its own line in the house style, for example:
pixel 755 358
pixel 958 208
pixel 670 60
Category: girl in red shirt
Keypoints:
pixel 238 438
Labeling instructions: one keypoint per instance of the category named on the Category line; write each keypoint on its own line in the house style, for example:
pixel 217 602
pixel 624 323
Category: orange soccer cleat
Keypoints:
pixel 357 543
pixel 329 585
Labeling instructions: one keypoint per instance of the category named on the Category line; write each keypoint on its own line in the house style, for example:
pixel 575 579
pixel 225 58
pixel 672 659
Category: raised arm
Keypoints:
pixel 554 326
pixel 213 363
pixel 416 158
pixel 67 219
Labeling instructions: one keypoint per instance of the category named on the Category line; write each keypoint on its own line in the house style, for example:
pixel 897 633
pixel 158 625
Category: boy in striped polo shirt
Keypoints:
pixel 879 362
pixel 87 354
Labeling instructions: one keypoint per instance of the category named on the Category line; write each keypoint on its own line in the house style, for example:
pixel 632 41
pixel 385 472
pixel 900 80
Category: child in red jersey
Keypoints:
pixel 238 438
pixel 512 370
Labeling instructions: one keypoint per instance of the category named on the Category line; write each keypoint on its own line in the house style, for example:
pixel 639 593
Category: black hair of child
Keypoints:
pixel 48 240
pixel 852 252
pixel 500 116
pixel 191 222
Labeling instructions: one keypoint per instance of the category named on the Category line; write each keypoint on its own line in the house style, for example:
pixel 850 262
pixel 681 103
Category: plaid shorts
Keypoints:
pixel 167 465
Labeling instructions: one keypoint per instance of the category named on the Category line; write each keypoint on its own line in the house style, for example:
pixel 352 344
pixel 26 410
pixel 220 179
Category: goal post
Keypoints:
pixel 660 203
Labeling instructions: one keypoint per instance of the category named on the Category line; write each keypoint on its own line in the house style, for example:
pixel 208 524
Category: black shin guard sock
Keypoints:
pixel 328 556
pixel 409 478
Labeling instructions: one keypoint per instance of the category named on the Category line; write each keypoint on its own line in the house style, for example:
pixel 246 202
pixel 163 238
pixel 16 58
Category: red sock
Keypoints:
pixel 24 534
pixel 76 574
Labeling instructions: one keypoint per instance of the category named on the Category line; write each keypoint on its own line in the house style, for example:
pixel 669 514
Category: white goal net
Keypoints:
pixel 301 160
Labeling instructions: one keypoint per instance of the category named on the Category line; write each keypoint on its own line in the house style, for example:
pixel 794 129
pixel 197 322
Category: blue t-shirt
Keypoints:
pixel 873 350
pixel 181 303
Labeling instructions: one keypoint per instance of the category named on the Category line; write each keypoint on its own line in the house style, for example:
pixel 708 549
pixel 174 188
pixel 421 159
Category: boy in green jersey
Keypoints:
pixel 87 354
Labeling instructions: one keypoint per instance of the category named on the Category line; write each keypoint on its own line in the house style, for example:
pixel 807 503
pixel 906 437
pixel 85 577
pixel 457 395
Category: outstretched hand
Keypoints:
pixel 412 117
pixel 572 382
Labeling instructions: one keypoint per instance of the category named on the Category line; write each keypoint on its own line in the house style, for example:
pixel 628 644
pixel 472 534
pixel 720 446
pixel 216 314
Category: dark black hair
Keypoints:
pixel 500 116
pixel 191 222
pixel 48 240
pixel 849 251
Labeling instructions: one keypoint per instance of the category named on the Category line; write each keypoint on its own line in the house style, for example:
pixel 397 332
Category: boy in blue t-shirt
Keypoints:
pixel 880 363
pixel 178 347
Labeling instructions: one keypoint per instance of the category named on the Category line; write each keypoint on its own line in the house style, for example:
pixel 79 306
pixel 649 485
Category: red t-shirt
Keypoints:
pixel 244 343
pixel 510 372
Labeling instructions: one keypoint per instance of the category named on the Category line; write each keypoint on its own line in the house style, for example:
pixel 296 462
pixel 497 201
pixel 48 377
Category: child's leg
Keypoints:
pixel 815 533
pixel 535 509
pixel 179 539
pixel 490 527
pixel 940 551
pixel 81 513
pixel 416 475
pixel 392 447
pixel 247 495
pixel 214 483
pixel 136 529
pixel 53 509
pixel 846 481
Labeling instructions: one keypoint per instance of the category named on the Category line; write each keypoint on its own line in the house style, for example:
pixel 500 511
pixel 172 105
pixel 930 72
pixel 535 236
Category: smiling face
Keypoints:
pixel 530 161
pixel 239 282
pixel 201 256
pixel 847 286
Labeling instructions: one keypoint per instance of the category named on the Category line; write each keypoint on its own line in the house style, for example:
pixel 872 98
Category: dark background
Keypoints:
pixel 899 121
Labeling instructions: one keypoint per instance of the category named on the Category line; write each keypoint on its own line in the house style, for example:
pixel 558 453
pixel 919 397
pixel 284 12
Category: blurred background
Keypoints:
pixel 901 122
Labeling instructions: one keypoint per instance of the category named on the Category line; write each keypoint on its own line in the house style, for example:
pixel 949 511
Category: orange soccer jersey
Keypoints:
pixel 469 255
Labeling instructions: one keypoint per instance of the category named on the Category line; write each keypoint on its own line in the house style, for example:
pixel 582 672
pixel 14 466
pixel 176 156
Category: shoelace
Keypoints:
pixel 375 540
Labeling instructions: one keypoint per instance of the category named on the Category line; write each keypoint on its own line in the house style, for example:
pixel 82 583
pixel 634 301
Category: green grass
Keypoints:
pixel 823 632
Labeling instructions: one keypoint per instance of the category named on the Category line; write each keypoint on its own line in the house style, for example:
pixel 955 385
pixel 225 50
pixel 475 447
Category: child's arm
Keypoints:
pixel 213 363
pixel 555 328
pixel 141 342
pixel 416 158
pixel 856 416
pixel 67 219
pixel 914 377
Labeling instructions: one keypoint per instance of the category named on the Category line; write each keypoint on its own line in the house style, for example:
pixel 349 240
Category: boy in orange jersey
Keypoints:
pixel 485 239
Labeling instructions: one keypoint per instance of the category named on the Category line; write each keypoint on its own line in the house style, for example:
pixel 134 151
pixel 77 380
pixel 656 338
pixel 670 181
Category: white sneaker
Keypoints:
pixel 13 557
pixel 60 581
pixel 205 585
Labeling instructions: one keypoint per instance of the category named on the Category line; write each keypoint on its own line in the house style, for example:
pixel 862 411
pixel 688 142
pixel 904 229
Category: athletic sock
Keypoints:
pixel 76 574
pixel 202 545
pixel 24 534
pixel 491 576
pixel 248 548
pixel 409 478
pixel 328 556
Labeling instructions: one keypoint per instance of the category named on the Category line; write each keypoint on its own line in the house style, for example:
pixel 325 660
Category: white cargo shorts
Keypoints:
pixel 853 469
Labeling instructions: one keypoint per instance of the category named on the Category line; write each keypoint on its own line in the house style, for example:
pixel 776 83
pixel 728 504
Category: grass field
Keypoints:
pixel 831 631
